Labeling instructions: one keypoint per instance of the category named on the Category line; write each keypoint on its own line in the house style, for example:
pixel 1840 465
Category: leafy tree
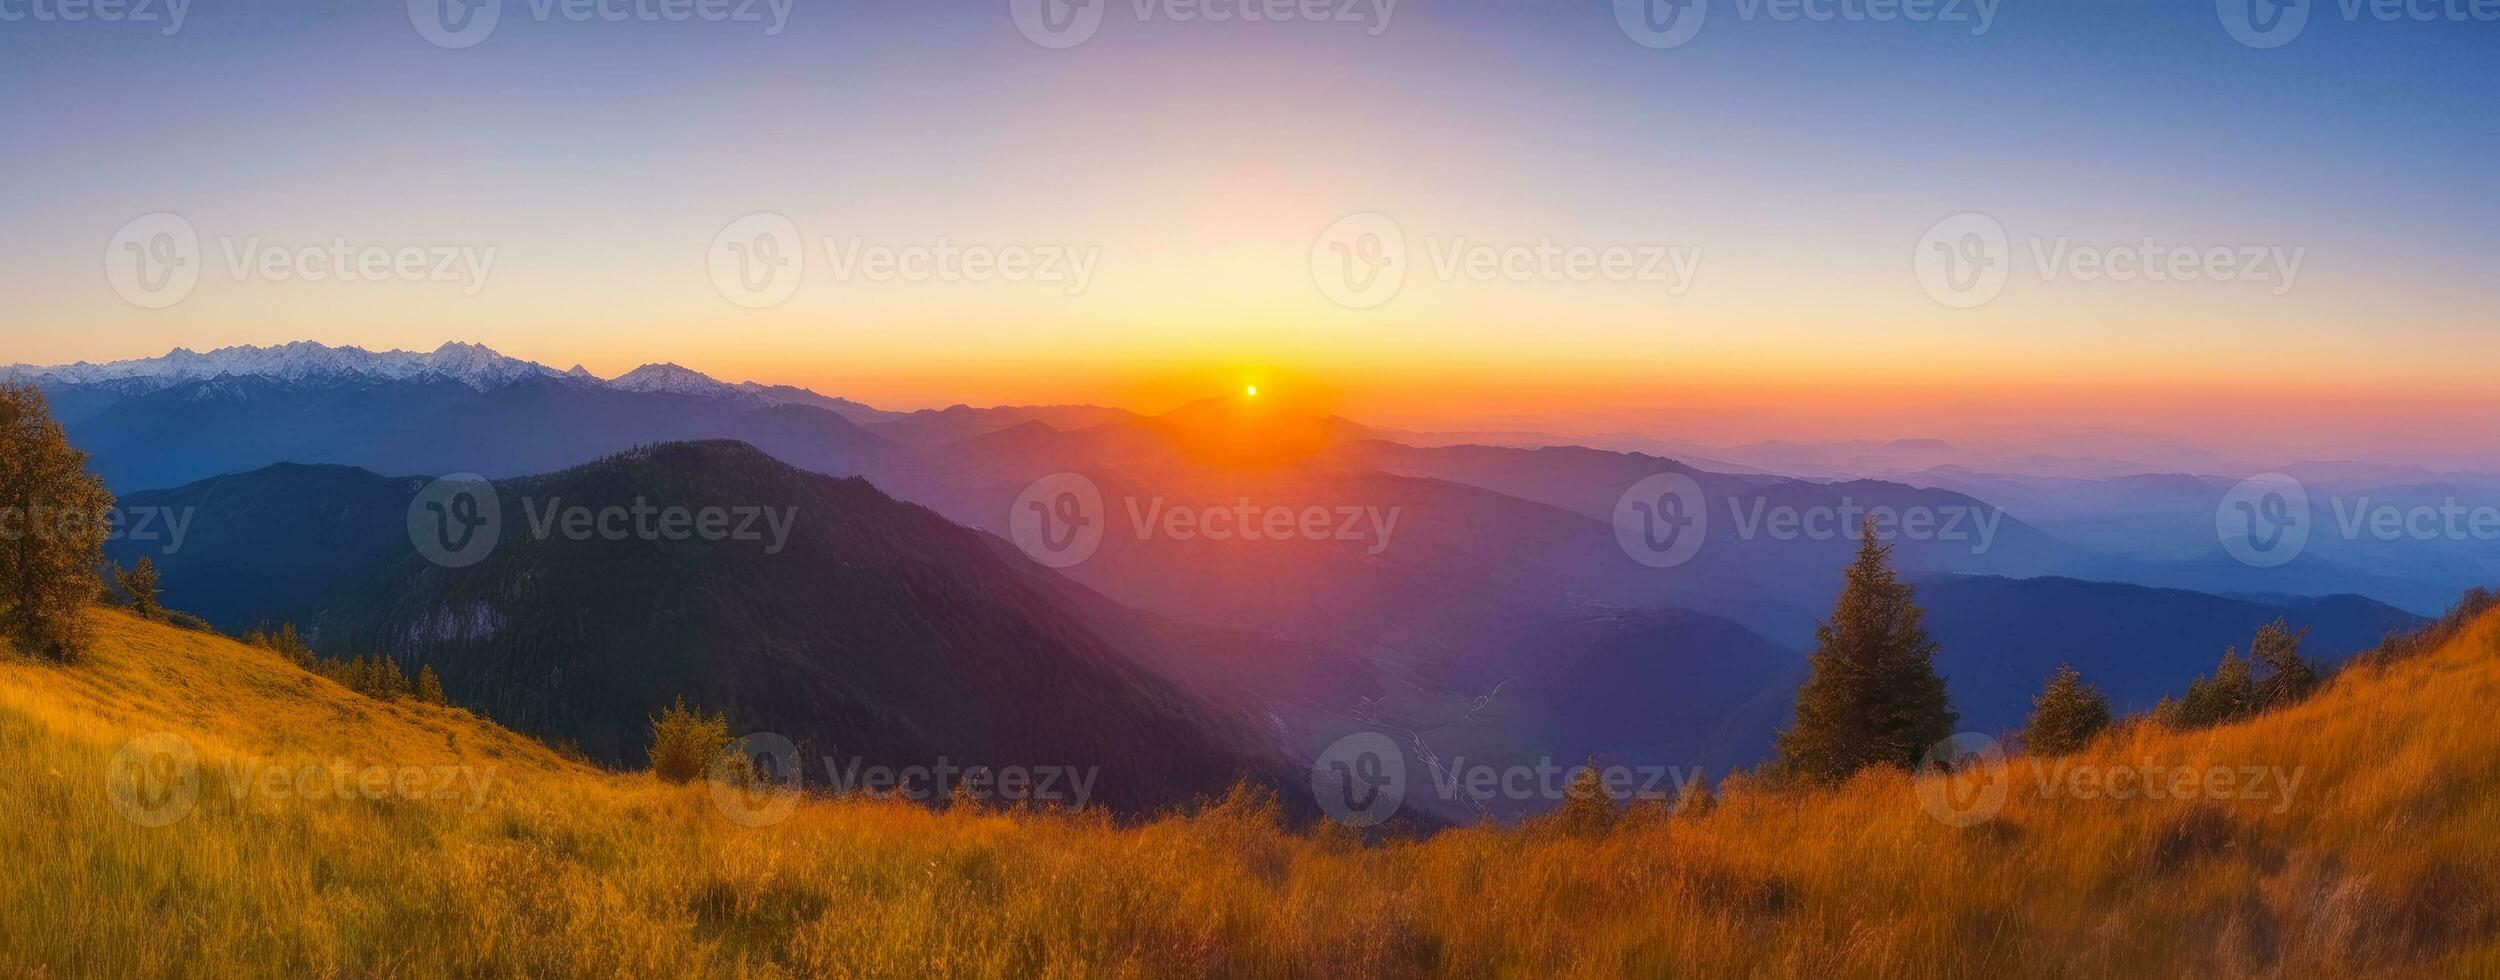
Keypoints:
pixel 1873 697
pixel 2289 678
pixel 140 583
pixel 2066 715
pixel 52 514
pixel 685 742
pixel 430 686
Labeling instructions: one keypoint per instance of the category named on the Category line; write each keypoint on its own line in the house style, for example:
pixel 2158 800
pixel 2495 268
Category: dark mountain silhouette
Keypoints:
pixel 278 544
pixel 878 631
pixel 2003 638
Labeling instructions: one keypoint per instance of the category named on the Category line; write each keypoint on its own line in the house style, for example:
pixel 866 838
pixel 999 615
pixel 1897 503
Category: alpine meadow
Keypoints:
pixel 1650 489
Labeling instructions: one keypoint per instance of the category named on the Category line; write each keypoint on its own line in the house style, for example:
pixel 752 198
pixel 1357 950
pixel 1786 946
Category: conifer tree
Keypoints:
pixel 2229 695
pixel 2066 715
pixel 1873 697
pixel 430 686
pixel 2289 678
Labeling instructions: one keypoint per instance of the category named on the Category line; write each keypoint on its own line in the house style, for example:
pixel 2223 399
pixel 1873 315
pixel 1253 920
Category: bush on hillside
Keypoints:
pixel 685 743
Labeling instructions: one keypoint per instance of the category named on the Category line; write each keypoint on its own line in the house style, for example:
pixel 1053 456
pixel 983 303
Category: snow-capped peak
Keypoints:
pixel 473 365
pixel 671 379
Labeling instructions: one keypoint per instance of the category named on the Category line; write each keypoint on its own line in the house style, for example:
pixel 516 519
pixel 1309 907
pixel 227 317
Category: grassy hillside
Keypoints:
pixel 2381 863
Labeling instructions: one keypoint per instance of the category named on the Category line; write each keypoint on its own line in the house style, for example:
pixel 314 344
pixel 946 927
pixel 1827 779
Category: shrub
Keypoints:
pixel 685 743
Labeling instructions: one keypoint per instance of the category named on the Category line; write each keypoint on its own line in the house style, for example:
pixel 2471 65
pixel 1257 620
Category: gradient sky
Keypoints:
pixel 1803 160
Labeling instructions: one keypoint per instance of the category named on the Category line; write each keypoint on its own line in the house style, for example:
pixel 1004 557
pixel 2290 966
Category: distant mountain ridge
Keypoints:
pixel 474 366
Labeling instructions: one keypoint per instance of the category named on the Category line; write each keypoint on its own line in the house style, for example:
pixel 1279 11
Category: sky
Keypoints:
pixel 1780 226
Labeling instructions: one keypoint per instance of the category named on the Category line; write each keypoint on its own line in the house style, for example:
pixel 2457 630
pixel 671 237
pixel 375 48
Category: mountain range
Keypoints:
pixel 1486 604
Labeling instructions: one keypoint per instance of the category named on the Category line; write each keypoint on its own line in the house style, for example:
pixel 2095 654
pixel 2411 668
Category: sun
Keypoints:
pixel 1251 392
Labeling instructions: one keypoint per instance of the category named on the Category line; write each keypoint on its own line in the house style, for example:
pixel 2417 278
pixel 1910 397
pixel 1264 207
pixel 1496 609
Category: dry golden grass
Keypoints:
pixel 2386 863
